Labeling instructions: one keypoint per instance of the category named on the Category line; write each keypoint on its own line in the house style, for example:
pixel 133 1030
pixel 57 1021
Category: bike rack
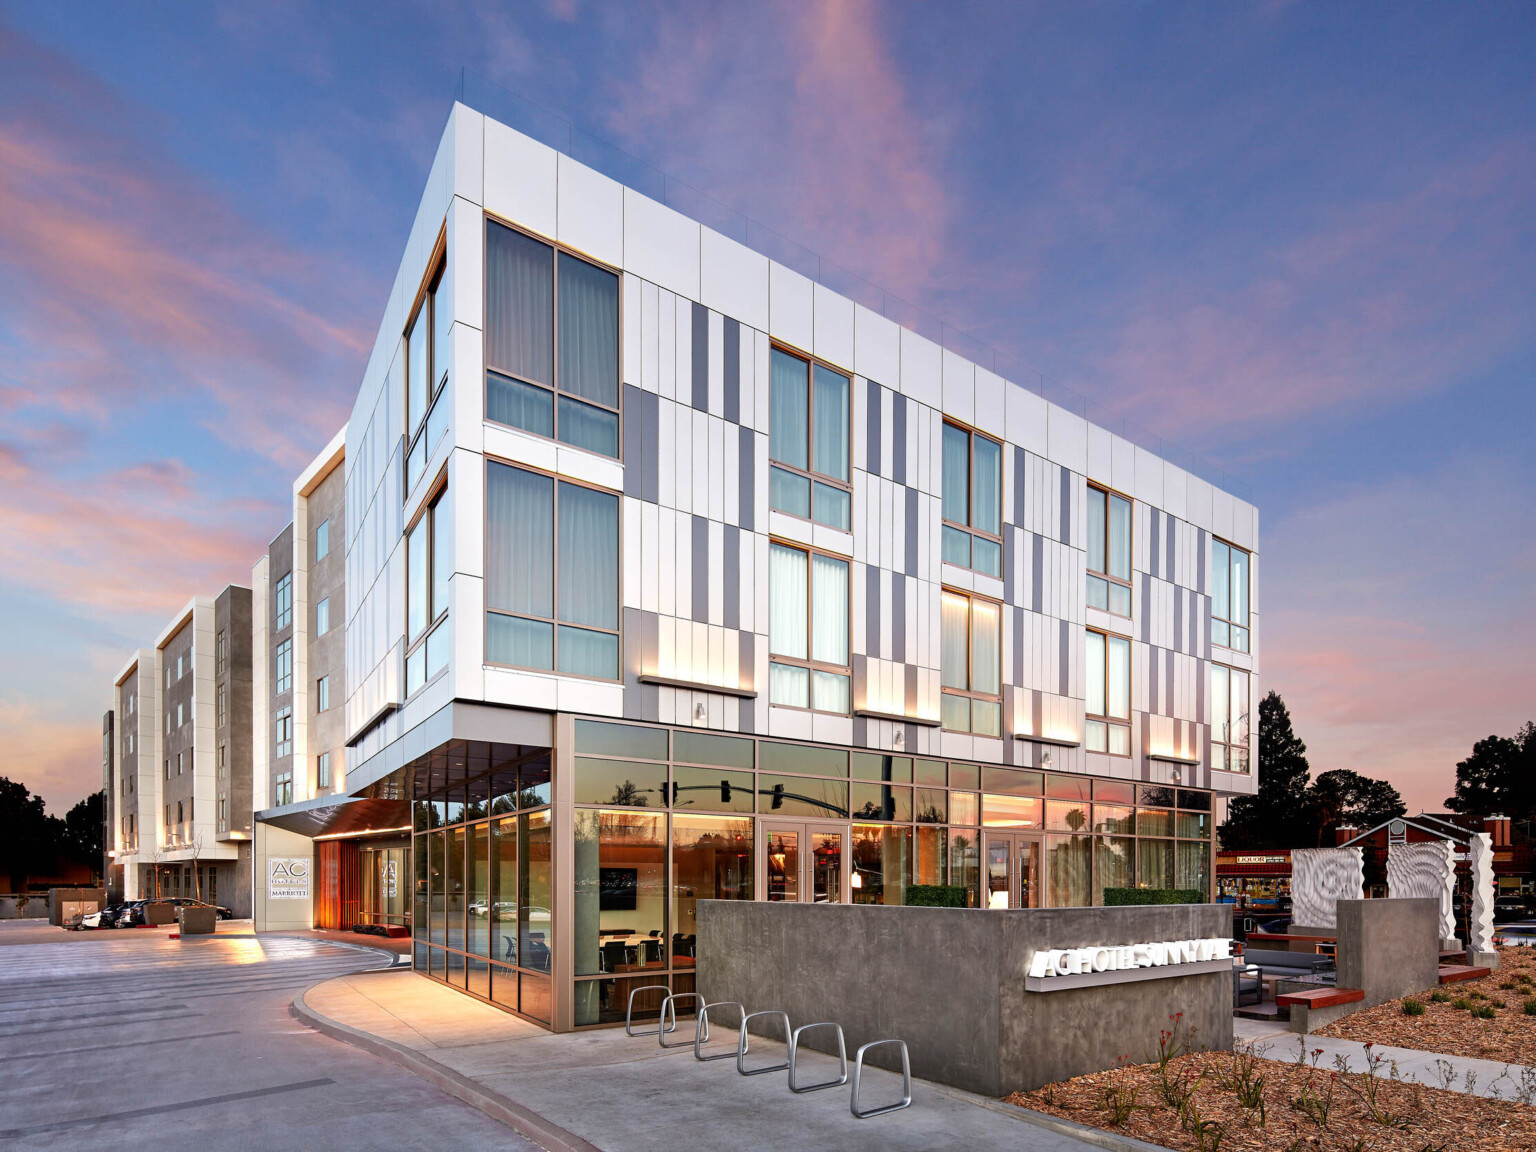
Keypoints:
pixel 630 1011
pixel 741 1045
pixel 906 1082
pixel 701 1032
pixel 669 1005
pixel 842 1059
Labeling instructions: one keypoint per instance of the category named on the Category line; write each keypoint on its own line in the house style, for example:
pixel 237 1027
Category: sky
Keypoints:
pixel 1294 241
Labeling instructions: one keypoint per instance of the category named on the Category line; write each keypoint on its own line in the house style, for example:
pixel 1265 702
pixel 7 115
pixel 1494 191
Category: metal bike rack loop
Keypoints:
pixel 906 1082
pixel 741 1045
pixel 629 1012
pixel 701 1032
pixel 842 1059
pixel 670 1005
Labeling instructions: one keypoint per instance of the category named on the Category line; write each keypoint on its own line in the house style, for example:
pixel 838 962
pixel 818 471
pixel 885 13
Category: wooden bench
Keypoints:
pixel 1456 973
pixel 1320 997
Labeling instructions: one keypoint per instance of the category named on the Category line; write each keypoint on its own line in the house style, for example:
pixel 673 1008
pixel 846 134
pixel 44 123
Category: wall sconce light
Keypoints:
pixel 698 710
pixel 1176 775
pixel 1045 758
pixel 900 738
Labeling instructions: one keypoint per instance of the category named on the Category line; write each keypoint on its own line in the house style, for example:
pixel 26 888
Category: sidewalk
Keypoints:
pixel 605 1090
pixel 1492 1078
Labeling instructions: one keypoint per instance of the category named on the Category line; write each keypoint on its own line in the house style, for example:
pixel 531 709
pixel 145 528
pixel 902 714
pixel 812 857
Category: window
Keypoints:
pixel 322 540
pixel 223 814
pixel 973 500
pixel 1109 551
pixel 180 763
pixel 131 703
pixel 181 715
pixel 322 694
pixel 1229 596
pixel 170 677
pixel 220 653
pixel 552 574
pixel 323 617
pixel 808 629
pixel 1229 719
pixel 167 721
pixel 284 600
pixel 181 816
pixel 284 789
pixel 283 667
pixel 167 767
pixel 323 770
pixel 808 440
pixel 970 652
pixel 223 761
pixel 180 671
pixel 427 356
pixel 551 342
pixel 221 705
pixel 1109 694
pixel 167 816
pixel 285 732
pixel 428 566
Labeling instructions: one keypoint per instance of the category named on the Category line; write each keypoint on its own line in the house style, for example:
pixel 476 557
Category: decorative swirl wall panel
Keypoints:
pixel 1320 878
pixel 1425 870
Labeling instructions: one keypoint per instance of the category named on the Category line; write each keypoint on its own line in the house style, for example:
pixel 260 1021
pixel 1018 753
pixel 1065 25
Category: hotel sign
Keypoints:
pixel 1050 963
pixel 288 878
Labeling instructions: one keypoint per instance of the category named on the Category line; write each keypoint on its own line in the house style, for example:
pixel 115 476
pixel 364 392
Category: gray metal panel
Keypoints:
pixel 1037 593
pixel 1178 619
pixel 1200 563
pixel 635 440
pixel 1153 551
pixel 1170 569
pixel 871 612
pixel 898 438
pixel 1152 697
pixel 746 483
pixel 700 357
pixel 701 569
pixel 732 370
pixel 872 438
pixel 732 577
pixel 1146 608
pixel 1064 677
pixel 1066 505
pixel 898 616
pixel 912 536
pixel 1009 576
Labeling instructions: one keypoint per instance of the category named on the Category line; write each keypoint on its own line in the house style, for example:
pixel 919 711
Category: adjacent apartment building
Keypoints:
pixel 180 820
pixel 671 574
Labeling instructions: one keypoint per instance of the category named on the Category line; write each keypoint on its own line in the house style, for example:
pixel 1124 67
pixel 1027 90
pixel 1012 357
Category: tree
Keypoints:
pixel 1342 797
pixel 82 831
pixel 1276 816
pixel 1499 777
pixel 25 836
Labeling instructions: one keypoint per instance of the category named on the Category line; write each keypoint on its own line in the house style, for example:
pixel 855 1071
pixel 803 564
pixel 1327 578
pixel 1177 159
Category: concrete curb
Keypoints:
pixel 1100 1137
pixel 523 1121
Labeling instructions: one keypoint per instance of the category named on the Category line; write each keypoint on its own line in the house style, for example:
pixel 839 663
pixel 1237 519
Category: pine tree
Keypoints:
pixel 1277 816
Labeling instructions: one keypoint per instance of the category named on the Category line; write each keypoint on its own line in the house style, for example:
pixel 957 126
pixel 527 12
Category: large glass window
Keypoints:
pixel 284 723
pixel 620 908
pixel 428 352
pixel 322 540
pixel 1109 694
pixel 283 599
pixel 566 385
pixel 970 654
pixel 534 922
pixel 1069 870
pixel 1109 551
pixel 808 440
pixel 711 860
pixel 1229 719
pixel 504 890
pixel 479 894
pixel 552 568
pixel 808 629
pixel 1229 596
pixel 973 500
pixel 882 863
pixel 428 567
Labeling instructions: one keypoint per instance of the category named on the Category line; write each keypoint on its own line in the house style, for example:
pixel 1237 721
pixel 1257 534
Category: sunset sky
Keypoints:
pixel 1297 241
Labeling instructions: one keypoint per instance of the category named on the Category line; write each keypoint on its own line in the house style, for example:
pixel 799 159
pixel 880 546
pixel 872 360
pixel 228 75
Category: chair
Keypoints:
pixel 613 955
pixel 1247 981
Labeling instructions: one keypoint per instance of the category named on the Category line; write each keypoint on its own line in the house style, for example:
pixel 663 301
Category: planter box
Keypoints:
pixel 158 915
pixel 197 921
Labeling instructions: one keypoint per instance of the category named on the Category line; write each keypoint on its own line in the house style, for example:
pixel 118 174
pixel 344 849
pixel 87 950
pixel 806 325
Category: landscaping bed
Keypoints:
pixel 1221 1101
pixel 1492 1019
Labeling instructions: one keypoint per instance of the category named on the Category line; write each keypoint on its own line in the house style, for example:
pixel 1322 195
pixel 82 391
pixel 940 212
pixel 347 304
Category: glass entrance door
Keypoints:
pixel 1013 871
pixel 803 862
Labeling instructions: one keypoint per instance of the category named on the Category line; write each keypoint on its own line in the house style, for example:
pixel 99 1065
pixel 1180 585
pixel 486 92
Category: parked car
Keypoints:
pixel 186 902
pixel 106 917
pixel 1507 908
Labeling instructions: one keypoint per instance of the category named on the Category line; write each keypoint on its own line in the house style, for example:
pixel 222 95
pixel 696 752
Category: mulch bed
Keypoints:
pixel 1304 1108
pixel 1510 1036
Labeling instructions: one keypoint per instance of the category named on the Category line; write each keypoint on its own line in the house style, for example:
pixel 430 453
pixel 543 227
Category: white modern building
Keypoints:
pixel 672 574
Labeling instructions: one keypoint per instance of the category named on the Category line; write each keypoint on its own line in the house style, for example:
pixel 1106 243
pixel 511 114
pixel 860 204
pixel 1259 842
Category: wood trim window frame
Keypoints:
pixel 971 599
pixel 413 456
pixel 1219 738
pixel 812 665
pixel 972 435
pixel 1231 625
pixel 809 474
pixel 1111 722
pixel 1110 495
pixel 553 387
pixel 415 646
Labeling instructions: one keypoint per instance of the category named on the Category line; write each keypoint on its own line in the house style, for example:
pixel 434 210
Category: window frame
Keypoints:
pixel 811 664
pixel 323 694
pixel 554 620
pixel 220 652
pixel 970 658
pixel 553 387
pixel 282 681
pixel 282 614
pixel 423 307
pixel 282 719
pixel 427 511
pixel 1130 678
pixel 322 608
pixel 1216 742
pixel 322 532
pixel 1130 545
pixel 283 789
pixel 323 770
pixel 1247 628
pixel 971 435
pixel 811 476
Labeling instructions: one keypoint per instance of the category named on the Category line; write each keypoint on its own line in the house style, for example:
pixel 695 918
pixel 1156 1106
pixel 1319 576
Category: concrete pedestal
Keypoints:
pixel 1483 959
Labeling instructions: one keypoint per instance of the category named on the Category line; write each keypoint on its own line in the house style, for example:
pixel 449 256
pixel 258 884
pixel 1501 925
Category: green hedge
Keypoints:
pixel 1120 896
pixel 936 895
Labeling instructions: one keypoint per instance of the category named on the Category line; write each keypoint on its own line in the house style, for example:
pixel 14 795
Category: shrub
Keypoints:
pixel 1412 1007
pixel 1462 1003
pixel 1530 1006
pixel 1122 896
pixel 1522 978
pixel 936 895
pixel 1440 997
pixel 1485 1012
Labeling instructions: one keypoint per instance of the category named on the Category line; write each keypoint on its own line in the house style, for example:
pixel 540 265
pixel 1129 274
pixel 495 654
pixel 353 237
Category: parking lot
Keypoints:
pixel 131 1039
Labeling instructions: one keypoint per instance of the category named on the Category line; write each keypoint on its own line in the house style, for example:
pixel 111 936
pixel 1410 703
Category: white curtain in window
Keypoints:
pixel 589 556
pixel 1096 530
pixel 829 610
pixel 989 485
pixel 1240 588
pixel 831 448
pixel 441 301
pixel 589 331
pixel 519 304
pixel 442 554
pixel 1220 704
pixel 788 417
pixel 986 651
pixel 957 475
pixel 1239 708
pixel 1221 581
pixel 788 611
pixel 1120 537
pixel 416 371
pixel 954 617
pixel 1119 678
pixel 416 616
pixel 1095 672
pixel 519 541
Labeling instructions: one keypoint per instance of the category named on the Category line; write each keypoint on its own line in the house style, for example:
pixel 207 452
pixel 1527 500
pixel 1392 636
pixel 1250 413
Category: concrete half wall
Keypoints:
pixel 951 982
